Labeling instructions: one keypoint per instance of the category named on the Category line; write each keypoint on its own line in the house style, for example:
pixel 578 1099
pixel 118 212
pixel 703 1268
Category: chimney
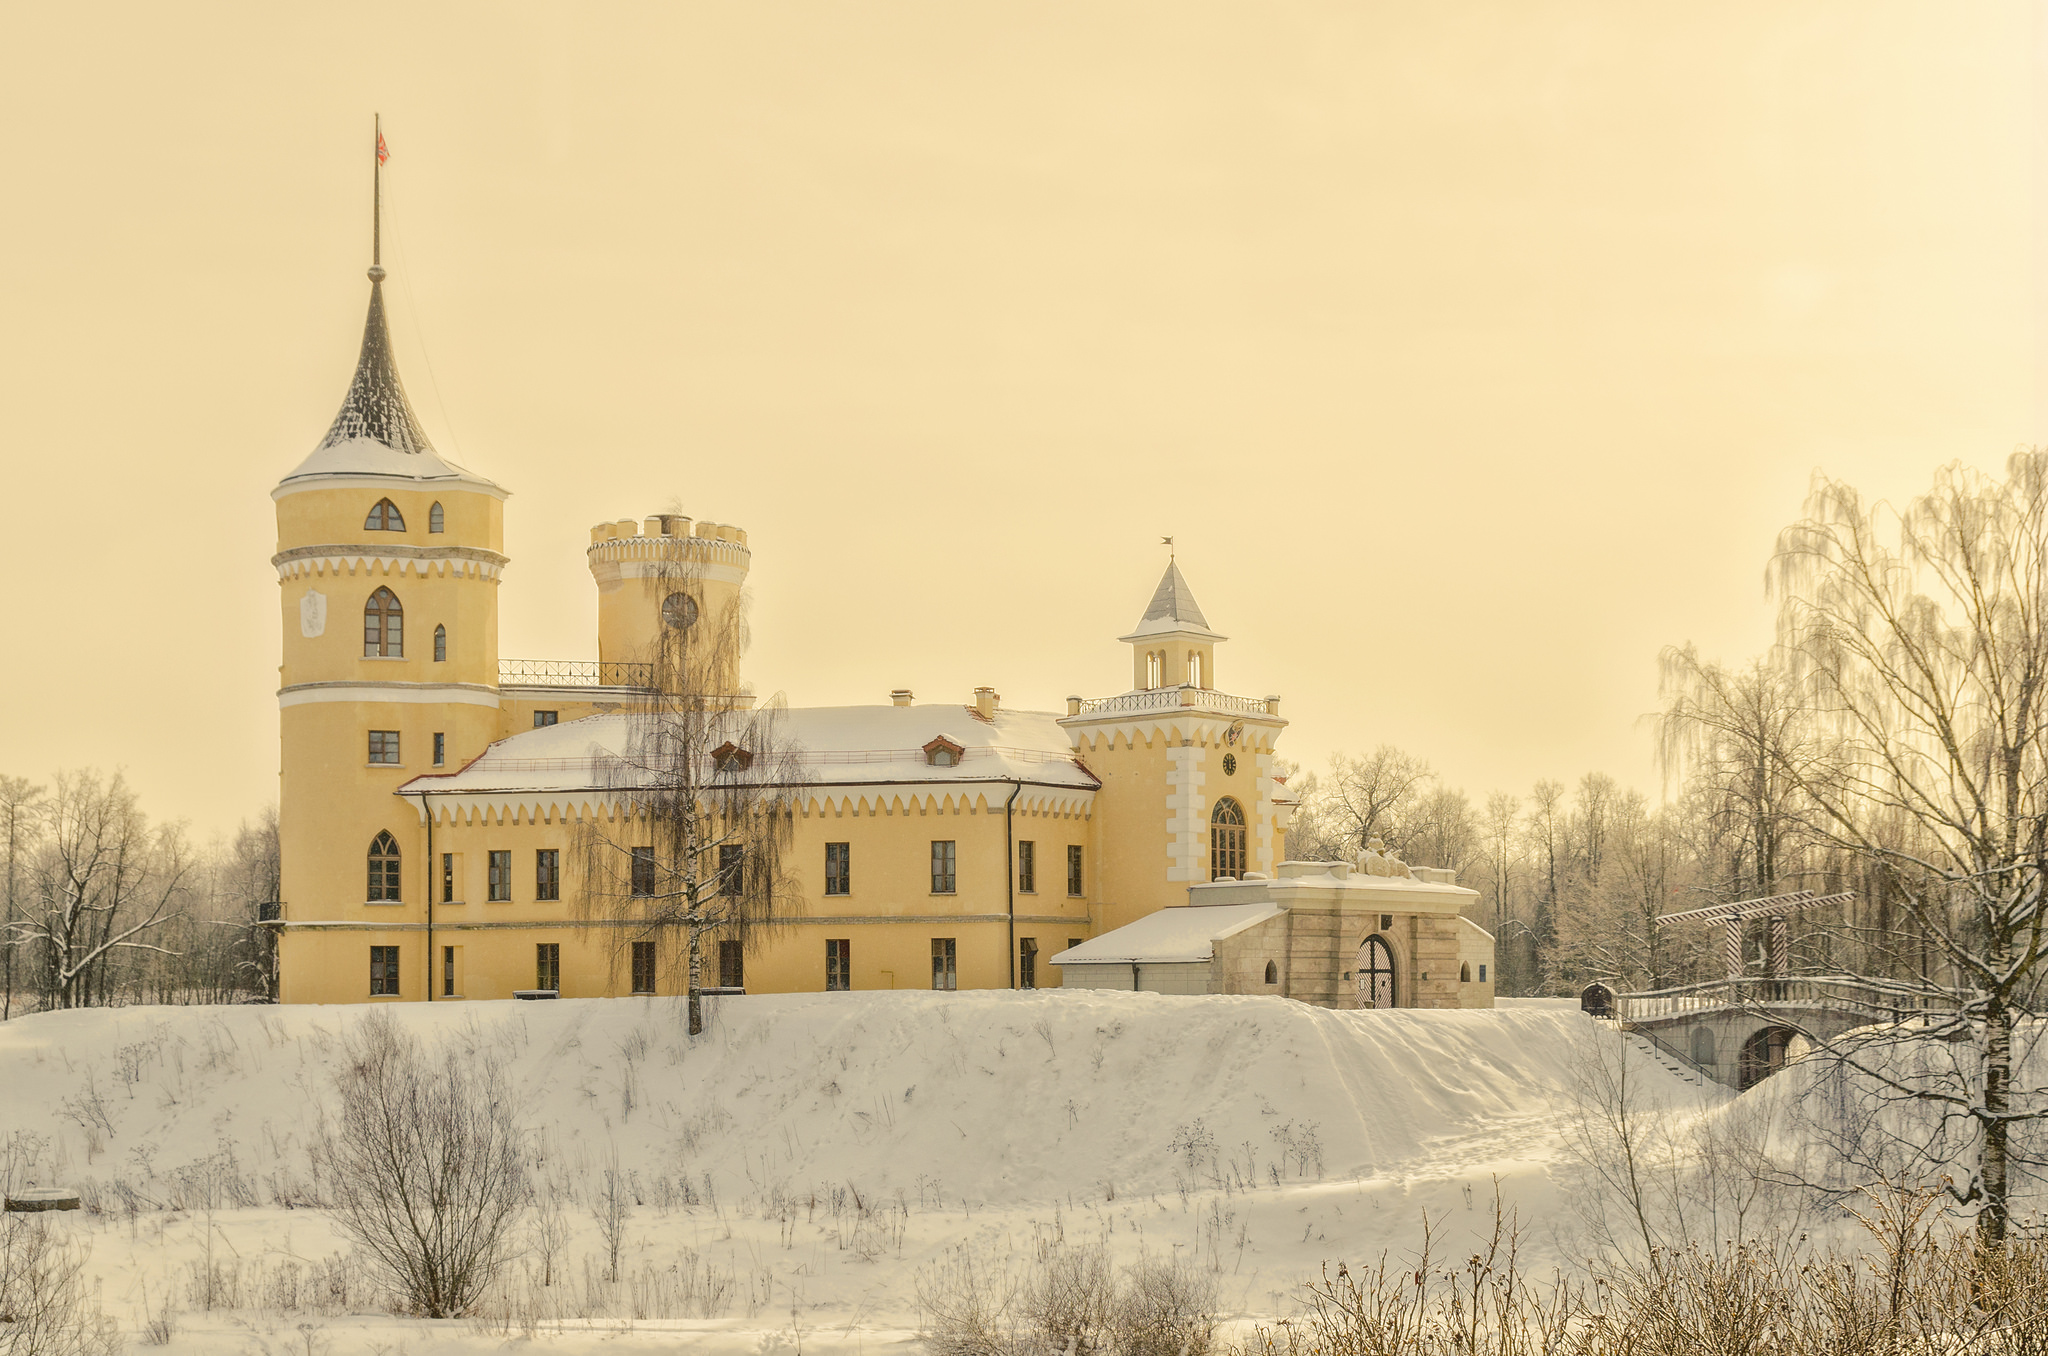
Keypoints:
pixel 1073 706
pixel 900 697
pixel 985 702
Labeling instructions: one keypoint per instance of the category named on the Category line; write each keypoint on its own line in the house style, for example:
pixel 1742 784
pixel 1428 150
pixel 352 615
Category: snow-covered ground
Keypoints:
pixel 792 1169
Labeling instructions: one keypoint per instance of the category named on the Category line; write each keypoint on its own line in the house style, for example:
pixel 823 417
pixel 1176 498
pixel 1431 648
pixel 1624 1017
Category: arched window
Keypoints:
pixel 1272 973
pixel 383 626
pixel 1152 670
pixel 1226 841
pixel 1705 1049
pixel 440 645
pixel 1194 668
pixel 1465 973
pixel 436 520
pixel 384 517
pixel 384 869
pixel 1375 974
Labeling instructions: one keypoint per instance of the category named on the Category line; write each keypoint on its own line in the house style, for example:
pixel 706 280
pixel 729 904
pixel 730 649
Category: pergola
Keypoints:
pixel 1777 908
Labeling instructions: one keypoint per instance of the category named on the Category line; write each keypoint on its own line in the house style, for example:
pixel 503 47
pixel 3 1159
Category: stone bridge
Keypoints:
pixel 1739 1031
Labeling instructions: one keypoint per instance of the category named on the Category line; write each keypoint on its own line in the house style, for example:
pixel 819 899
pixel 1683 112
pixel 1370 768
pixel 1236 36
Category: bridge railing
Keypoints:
pixel 1876 997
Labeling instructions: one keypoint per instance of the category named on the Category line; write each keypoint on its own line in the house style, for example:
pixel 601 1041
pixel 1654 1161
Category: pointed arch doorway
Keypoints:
pixel 1375 973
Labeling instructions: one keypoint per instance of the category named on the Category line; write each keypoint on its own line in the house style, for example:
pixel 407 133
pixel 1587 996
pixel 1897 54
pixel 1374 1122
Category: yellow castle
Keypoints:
pixel 434 795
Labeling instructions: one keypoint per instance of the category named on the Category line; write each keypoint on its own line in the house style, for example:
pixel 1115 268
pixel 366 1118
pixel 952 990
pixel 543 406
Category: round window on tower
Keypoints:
pixel 1230 765
pixel 679 611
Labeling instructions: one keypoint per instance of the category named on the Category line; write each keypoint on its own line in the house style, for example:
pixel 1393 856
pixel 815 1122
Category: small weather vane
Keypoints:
pixel 1167 542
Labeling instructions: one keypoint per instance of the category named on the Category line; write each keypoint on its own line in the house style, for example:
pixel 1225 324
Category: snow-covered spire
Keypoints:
pixel 375 406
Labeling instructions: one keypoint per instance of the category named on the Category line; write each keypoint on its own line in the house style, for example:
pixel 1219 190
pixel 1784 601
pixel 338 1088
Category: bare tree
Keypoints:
pixel 1500 848
pixel 45 1306
pixel 1920 639
pixel 423 1165
pixel 1362 799
pixel 21 822
pixel 702 795
pixel 105 883
pixel 1546 832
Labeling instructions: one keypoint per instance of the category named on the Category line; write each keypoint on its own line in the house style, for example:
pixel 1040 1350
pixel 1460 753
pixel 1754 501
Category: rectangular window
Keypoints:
pixel 547 873
pixel 1027 868
pixel 732 863
pixel 447 972
pixel 643 872
pixel 838 964
pixel 1076 886
pixel 643 967
pixel 838 868
pixel 383 746
pixel 732 965
pixel 1073 942
pixel 541 718
pixel 944 862
pixel 547 966
pixel 440 749
pixel 945 972
pixel 383 972
pixel 448 878
pixel 501 878
pixel 1027 962
pixel 1482 972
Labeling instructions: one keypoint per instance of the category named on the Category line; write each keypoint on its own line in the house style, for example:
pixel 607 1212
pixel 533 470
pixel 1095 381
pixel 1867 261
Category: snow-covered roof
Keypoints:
pixel 1184 933
pixel 376 432
pixel 1172 609
pixel 830 746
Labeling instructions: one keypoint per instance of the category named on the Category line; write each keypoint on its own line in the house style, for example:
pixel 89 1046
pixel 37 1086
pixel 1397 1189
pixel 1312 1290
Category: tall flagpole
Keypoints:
pixel 377 195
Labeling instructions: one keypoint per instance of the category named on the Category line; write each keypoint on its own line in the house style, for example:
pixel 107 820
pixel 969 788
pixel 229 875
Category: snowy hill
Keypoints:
pixel 812 1151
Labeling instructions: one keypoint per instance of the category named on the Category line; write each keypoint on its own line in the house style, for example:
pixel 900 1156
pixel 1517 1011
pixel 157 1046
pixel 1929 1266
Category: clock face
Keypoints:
pixel 1230 765
pixel 679 611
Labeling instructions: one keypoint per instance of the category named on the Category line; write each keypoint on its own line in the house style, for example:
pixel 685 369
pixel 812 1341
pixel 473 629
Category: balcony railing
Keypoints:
pixel 1181 698
pixel 575 673
pixel 1875 997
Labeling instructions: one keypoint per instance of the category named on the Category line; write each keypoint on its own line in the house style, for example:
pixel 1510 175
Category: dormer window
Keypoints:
pixel 384 517
pixel 436 520
pixel 943 752
pixel 730 757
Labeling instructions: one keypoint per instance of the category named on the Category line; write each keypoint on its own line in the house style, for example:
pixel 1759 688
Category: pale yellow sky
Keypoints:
pixel 1472 352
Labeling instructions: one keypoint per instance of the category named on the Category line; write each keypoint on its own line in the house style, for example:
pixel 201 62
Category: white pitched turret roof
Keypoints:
pixel 1173 610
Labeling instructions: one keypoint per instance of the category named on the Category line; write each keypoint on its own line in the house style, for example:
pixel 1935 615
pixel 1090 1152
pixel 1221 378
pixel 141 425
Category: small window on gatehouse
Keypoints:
pixel 1272 973
pixel 1465 973
pixel 384 518
pixel 436 520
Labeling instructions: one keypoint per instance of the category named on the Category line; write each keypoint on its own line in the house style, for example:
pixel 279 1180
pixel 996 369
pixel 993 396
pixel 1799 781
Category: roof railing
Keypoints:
pixel 574 673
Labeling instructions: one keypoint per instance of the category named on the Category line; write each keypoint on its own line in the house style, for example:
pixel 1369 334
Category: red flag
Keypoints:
pixel 383 152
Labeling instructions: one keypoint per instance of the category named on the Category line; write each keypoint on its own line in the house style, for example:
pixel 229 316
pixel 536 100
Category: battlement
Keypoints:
pixel 634 539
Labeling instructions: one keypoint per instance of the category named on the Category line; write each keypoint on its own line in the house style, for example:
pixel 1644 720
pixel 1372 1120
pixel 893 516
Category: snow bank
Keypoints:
pixel 1263 1134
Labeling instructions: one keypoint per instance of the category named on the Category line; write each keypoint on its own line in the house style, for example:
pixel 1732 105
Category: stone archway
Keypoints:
pixel 1762 1055
pixel 1376 973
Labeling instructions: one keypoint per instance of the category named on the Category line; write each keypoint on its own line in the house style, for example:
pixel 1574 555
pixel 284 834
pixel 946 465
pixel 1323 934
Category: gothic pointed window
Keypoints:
pixel 384 869
pixel 383 626
pixel 436 520
pixel 384 517
pixel 440 645
pixel 1226 841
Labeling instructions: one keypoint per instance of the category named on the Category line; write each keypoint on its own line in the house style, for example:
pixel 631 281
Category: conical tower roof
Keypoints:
pixel 375 406
pixel 377 433
pixel 1173 608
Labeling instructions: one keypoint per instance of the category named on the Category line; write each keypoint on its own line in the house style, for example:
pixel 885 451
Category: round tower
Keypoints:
pixel 668 588
pixel 388 561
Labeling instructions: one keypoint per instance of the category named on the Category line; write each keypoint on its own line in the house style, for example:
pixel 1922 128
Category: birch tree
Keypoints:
pixel 701 799
pixel 1919 638
pixel 105 883
pixel 21 820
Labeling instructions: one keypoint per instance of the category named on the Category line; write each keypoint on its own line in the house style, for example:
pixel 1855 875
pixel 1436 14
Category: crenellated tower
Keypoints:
pixel 668 579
